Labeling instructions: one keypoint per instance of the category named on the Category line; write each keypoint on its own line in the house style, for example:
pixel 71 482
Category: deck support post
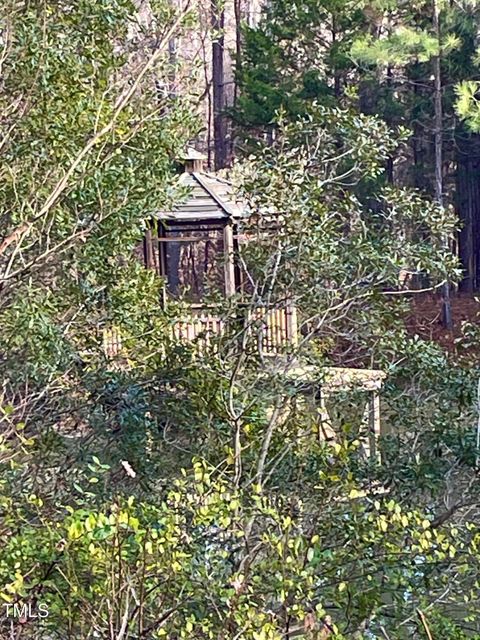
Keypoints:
pixel 162 259
pixel 373 435
pixel 326 432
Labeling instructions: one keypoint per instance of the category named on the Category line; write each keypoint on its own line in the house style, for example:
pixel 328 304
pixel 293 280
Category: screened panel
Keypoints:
pixel 193 260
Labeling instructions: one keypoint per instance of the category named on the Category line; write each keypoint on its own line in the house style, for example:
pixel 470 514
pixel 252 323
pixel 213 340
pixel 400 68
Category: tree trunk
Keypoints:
pixel 238 60
pixel 468 206
pixel 218 83
pixel 336 74
pixel 437 74
pixel 389 167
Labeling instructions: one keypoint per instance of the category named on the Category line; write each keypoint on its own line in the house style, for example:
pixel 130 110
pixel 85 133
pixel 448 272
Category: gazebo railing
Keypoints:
pixel 274 329
pixel 199 324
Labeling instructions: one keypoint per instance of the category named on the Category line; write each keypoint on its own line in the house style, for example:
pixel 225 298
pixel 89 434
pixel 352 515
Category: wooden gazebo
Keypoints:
pixel 194 247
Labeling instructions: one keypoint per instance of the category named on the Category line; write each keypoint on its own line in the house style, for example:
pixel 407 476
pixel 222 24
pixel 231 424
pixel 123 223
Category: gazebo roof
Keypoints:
pixel 209 198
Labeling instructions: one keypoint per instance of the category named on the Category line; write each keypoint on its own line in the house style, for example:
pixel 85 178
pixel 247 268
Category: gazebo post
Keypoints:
pixel 148 247
pixel 229 260
pixel 162 259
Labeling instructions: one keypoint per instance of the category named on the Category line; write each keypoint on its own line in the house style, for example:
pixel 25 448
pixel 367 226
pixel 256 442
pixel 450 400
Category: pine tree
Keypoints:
pixel 298 54
pixel 432 49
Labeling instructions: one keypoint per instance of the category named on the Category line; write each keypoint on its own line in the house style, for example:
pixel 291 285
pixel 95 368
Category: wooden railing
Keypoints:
pixel 112 342
pixel 198 323
pixel 273 329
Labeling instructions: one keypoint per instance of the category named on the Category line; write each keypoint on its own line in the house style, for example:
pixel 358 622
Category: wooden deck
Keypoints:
pixel 339 378
pixel 275 332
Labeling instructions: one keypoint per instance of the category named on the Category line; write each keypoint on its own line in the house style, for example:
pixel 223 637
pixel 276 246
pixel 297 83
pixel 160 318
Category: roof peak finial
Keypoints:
pixel 194 160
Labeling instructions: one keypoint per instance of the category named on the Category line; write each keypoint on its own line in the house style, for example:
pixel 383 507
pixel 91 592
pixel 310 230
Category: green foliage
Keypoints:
pixel 176 492
pixel 376 57
pixel 401 47
pixel 345 236
pixel 288 61
pixel 468 106
pixel 86 158
pixel 209 561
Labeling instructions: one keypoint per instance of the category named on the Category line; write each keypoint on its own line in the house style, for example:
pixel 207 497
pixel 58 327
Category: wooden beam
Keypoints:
pixel 162 261
pixel 374 426
pixel 148 248
pixel 326 432
pixel 185 239
pixel 229 260
pixel 292 324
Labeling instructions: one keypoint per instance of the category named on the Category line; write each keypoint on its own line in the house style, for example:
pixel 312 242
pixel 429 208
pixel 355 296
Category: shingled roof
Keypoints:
pixel 209 198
